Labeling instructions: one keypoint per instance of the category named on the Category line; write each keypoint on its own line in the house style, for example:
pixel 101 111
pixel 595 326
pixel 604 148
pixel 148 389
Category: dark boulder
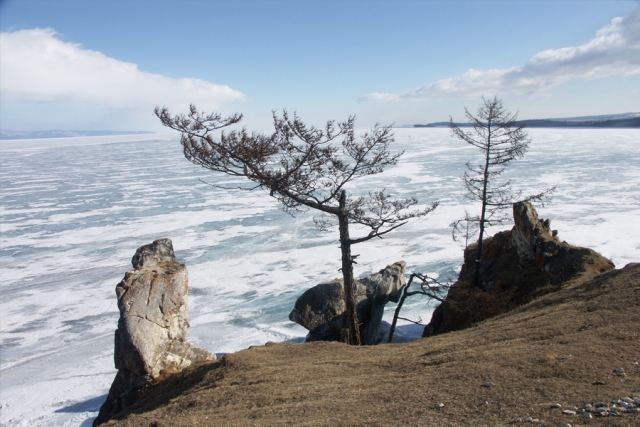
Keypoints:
pixel 321 309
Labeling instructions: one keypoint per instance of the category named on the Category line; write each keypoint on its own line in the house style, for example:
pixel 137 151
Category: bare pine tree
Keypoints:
pixel 500 141
pixel 304 167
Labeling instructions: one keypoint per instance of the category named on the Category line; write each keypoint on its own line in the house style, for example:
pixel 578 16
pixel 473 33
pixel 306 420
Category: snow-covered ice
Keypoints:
pixel 75 210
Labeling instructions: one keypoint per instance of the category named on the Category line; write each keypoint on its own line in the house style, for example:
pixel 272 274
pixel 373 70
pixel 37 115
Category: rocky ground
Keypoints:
pixel 569 357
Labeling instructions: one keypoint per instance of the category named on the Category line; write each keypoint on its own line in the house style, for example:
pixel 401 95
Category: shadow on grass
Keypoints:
pixel 174 385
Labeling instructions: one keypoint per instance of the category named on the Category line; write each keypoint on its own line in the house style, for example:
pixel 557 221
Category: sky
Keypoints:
pixel 104 65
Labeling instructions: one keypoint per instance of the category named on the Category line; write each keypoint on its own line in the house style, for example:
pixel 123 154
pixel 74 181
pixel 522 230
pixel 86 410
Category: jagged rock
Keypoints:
pixel 517 266
pixel 321 309
pixel 533 238
pixel 150 339
pixel 527 227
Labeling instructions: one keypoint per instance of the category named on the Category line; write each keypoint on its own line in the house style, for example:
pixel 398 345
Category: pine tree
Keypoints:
pixel 500 141
pixel 305 167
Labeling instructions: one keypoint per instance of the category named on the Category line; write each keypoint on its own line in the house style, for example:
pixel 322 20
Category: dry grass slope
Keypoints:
pixel 561 348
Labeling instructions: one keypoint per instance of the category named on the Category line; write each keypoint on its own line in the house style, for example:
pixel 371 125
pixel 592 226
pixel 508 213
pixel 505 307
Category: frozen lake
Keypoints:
pixel 75 210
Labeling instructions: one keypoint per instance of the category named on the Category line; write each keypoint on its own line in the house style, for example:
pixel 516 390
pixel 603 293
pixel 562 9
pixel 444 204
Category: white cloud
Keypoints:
pixel 37 66
pixel 614 51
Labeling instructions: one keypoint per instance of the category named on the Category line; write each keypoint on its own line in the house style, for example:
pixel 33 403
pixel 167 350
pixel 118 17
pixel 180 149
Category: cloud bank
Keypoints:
pixel 37 66
pixel 614 51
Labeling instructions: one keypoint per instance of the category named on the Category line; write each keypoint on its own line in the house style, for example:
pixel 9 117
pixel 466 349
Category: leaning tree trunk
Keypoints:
pixel 347 274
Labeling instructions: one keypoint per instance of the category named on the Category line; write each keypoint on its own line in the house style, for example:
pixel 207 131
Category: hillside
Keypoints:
pixel 561 348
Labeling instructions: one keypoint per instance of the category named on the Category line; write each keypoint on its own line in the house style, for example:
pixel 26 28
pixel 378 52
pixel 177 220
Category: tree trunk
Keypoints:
pixel 347 274
pixel 392 330
pixel 479 254
pixel 484 207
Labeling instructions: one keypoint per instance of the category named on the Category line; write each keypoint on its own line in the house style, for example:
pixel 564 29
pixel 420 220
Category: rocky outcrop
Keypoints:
pixel 517 266
pixel 321 309
pixel 150 339
pixel 533 238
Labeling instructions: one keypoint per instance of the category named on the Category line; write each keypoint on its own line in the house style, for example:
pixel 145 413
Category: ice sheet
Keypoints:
pixel 73 211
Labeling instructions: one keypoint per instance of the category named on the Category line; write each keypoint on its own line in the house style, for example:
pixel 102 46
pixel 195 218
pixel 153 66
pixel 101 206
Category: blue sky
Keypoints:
pixel 98 65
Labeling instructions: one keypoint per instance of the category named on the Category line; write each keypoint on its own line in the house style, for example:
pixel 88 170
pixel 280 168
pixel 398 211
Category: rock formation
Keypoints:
pixel 150 339
pixel 518 265
pixel 321 309
pixel 533 238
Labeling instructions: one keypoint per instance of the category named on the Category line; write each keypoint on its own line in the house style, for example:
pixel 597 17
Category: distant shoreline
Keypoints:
pixel 610 121
pixel 10 135
pixel 610 124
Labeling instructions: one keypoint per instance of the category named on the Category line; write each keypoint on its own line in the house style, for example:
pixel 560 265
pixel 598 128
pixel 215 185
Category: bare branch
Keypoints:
pixel 418 322
pixel 429 287
pixel 228 188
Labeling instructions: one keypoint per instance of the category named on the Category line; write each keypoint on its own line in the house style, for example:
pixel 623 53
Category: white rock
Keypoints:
pixel 440 405
pixel 488 384
pixel 619 371
pixel 150 338
pixel 569 412
pixel 556 406
pixel 587 415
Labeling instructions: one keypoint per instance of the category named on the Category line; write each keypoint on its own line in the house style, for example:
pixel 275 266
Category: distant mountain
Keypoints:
pixel 623 120
pixel 12 134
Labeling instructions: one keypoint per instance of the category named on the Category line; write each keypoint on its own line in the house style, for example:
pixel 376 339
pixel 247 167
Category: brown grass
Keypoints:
pixel 552 350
